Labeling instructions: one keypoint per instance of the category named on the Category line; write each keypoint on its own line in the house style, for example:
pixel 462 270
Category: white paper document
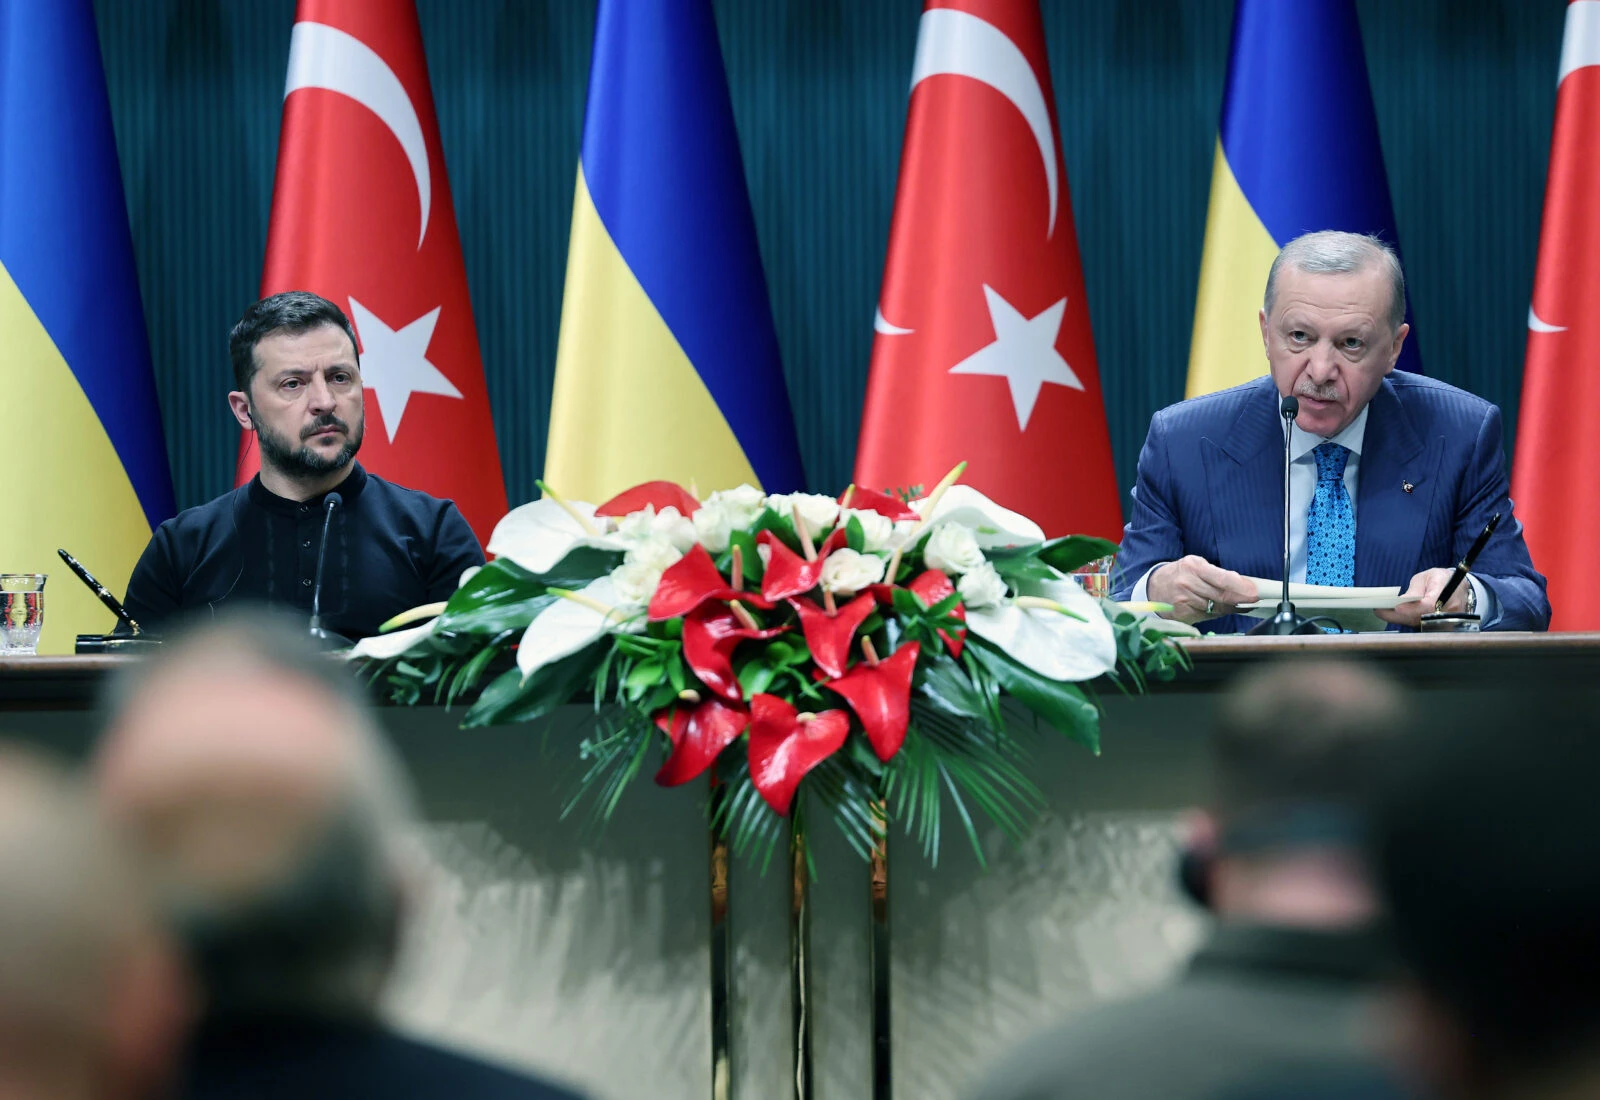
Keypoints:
pixel 1351 608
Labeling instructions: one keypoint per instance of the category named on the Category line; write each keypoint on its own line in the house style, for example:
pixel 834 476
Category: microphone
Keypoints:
pixel 327 637
pixel 1287 620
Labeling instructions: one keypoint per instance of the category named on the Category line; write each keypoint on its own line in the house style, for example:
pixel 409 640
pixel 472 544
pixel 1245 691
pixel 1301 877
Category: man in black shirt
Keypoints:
pixel 299 389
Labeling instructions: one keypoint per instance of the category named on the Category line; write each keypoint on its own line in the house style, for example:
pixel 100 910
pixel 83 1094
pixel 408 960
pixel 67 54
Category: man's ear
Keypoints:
pixel 239 402
pixel 1399 342
pixel 1265 346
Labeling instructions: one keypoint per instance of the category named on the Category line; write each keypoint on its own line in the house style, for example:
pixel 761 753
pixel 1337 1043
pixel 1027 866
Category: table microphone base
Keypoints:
pixel 1286 621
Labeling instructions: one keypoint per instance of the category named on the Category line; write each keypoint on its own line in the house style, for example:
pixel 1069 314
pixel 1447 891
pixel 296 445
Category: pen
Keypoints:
pixel 100 590
pixel 1466 563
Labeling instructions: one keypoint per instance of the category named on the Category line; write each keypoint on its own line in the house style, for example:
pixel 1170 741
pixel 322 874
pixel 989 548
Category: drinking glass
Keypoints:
pixel 1095 577
pixel 21 613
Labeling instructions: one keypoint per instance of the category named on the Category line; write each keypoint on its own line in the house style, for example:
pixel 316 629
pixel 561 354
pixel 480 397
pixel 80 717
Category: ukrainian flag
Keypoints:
pixel 1298 151
pixel 82 461
pixel 668 364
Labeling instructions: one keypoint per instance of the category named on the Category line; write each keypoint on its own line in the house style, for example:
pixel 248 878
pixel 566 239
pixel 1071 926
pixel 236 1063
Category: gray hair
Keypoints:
pixel 320 936
pixel 1334 252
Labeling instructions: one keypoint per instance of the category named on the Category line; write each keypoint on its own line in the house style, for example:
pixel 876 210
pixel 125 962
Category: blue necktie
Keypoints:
pixel 1331 522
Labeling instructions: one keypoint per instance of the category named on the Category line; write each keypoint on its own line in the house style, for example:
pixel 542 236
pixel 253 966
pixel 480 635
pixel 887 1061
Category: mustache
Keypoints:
pixel 1328 391
pixel 326 421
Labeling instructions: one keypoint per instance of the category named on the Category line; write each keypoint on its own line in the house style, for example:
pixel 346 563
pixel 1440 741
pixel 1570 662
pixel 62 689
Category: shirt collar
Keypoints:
pixel 348 489
pixel 1302 442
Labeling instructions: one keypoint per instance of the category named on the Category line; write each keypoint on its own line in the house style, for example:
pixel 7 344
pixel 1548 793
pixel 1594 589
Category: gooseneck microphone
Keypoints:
pixel 321 634
pixel 1287 620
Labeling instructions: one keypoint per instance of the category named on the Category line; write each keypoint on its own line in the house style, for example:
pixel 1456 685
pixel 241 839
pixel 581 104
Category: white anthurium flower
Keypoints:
pixel 741 505
pixel 981 587
pixel 539 534
pixel 380 647
pixel 573 622
pixel 952 549
pixel 818 511
pixel 847 572
pixel 906 532
pixel 877 530
pixel 1052 644
pixel 713 523
pixel 990 523
pixel 668 525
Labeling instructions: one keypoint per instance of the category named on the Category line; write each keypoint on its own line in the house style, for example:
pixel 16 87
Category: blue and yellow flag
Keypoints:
pixel 668 360
pixel 1298 151
pixel 82 460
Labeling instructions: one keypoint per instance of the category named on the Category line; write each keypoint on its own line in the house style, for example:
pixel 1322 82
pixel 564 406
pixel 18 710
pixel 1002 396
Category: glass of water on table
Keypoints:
pixel 1095 576
pixel 21 613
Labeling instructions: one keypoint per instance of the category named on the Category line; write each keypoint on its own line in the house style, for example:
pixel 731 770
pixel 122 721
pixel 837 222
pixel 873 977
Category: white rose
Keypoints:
pixel 668 525
pixel 876 529
pixel 657 554
pixel 847 572
pixel 712 526
pixel 635 582
pixel 904 534
pixel 952 549
pixel 818 511
pixel 981 586
pixel 742 505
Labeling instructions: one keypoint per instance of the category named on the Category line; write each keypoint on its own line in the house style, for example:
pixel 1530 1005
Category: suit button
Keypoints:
pixel 305 507
pixel 305 582
pixel 306 544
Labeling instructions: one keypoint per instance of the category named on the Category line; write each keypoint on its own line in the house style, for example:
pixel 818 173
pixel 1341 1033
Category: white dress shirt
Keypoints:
pixel 1303 487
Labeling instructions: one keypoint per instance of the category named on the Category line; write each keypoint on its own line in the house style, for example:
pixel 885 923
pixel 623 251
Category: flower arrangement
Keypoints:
pixel 854 652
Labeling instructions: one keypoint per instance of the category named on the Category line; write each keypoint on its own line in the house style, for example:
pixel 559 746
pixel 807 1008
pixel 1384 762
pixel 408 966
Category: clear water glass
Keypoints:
pixel 21 613
pixel 1095 577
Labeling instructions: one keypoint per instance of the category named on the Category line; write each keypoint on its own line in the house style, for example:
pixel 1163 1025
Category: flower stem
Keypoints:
pixel 828 602
pixel 869 651
pixel 738 569
pixel 587 601
pixel 1043 604
pixel 804 532
pixel 577 516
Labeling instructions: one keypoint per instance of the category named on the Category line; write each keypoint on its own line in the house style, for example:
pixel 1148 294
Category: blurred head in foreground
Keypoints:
pixel 92 999
pixel 1487 845
pixel 1296 747
pixel 248 771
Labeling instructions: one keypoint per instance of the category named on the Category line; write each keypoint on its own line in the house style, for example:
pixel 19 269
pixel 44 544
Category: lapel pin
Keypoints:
pixel 1407 486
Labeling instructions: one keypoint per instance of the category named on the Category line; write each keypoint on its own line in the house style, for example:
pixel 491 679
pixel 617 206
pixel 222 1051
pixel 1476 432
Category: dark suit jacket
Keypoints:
pixel 1211 483
pixel 310 1060
pixel 1261 1014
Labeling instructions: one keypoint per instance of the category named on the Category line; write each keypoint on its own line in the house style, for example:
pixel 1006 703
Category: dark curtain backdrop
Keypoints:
pixel 1465 91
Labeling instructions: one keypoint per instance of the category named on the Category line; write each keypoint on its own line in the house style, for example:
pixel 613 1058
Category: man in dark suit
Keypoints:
pixel 251 777
pixel 1417 462
pixel 1279 1004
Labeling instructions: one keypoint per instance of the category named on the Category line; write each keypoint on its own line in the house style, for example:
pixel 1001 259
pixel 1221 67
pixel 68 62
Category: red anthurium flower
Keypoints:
pixel 866 500
pixel 829 637
pixel 784 746
pixel 662 494
pixel 709 637
pixel 880 695
pixel 788 574
pixel 698 735
pixel 691 581
pixel 933 586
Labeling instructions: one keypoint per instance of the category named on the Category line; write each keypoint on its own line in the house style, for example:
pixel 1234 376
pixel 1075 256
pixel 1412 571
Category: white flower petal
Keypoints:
pixel 992 524
pixel 381 647
pixel 1052 644
pixel 538 535
pixel 566 626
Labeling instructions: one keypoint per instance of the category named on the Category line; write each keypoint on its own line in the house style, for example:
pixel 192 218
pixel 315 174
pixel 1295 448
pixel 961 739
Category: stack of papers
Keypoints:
pixel 1351 608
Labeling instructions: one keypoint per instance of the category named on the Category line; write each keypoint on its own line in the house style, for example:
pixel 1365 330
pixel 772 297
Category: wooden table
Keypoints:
pixel 587 954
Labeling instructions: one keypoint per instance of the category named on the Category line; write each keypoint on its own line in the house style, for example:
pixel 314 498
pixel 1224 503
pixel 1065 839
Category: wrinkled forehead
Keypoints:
pixel 315 348
pixel 1354 298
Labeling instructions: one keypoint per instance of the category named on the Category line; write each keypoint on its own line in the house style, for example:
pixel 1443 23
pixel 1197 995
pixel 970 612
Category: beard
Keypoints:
pixel 299 461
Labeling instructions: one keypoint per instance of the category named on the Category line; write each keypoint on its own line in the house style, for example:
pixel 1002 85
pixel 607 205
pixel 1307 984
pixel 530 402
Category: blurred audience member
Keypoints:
pixel 93 1001
pixel 1487 844
pixel 250 773
pixel 1276 1003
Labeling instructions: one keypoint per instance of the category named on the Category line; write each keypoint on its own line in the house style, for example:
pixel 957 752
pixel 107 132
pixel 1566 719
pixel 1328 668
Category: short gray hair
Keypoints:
pixel 1334 252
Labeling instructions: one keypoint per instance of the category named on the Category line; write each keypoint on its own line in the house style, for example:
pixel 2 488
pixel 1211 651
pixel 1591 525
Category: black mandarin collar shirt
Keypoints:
pixel 389 549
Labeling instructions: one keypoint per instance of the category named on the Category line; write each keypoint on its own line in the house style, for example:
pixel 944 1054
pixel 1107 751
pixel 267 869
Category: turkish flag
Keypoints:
pixel 983 350
pixel 1556 478
pixel 361 214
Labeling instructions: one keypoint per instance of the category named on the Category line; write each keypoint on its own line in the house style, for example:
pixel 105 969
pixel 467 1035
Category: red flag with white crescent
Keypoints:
pixel 983 349
pixel 1556 477
pixel 362 215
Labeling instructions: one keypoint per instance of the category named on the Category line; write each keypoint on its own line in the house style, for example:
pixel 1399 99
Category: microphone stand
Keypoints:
pixel 1287 620
pixel 325 637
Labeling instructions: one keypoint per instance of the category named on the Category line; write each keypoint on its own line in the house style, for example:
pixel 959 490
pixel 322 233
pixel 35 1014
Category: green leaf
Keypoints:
pixel 1065 706
pixel 1020 565
pixel 940 681
pixel 755 676
pixel 907 605
pixel 749 558
pixel 509 698
pixel 786 651
pixel 854 537
pixel 644 676
pixel 1075 551
pixel 581 565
